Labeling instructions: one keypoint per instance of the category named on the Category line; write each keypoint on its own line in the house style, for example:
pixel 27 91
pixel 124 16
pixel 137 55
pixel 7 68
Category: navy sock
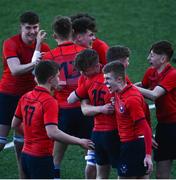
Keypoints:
pixel 56 172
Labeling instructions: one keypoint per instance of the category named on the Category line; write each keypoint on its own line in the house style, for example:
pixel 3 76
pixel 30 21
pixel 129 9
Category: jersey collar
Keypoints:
pixel 67 43
pixel 42 89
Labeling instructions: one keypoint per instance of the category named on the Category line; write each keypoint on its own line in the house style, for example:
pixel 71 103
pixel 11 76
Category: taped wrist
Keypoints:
pixel 36 56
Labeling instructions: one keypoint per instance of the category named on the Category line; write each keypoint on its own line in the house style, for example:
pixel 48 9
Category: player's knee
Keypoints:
pixel 90 158
pixel 3 142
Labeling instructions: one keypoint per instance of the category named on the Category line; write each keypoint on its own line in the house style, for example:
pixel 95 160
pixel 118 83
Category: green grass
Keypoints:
pixel 134 23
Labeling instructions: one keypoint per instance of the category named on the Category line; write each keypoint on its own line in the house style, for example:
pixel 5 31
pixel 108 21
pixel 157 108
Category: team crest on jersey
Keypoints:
pixel 122 109
pixel 123 168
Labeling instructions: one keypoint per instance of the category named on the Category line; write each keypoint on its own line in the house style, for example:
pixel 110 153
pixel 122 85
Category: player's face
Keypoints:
pixel 111 82
pixel 54 81
pixel 86 39
pixel 125 62
pixel 155 60
pixel 29 32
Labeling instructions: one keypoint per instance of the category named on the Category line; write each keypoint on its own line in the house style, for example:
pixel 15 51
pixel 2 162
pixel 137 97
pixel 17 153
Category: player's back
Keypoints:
pixel 64 55
pixel 34 107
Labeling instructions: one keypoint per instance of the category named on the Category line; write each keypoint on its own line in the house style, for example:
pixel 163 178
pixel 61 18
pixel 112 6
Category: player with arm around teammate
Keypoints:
pixel 104 135
pixel 158 85
pixel 38 111
pixel 135 133
pixel 17 78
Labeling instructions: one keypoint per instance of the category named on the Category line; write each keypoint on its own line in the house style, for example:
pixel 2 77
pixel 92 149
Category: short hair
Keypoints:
pixel 86 59
pixel 117 52
pixel 29 17
pixel 163 47
pixel 81 25
pixel 44 70
pixel 80 15
pixel 116 68
pixel 62 26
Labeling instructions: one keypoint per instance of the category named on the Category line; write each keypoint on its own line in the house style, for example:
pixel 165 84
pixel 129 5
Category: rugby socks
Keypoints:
pixel 56 172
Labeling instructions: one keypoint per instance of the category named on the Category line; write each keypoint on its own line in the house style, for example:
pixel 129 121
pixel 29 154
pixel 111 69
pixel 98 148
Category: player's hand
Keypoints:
pixel 87 144
pixel 36 61
pixel 154 143
pixel 41 36
pixel 107 109
pixel 148 163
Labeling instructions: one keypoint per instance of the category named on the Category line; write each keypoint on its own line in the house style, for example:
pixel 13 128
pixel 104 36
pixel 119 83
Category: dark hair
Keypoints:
pixel 62 26
pixel 29 17
pixel 80 15
pixel 116 68
pixel 45 69
pixel 117 53
pixel 86 59
pixel 81 25
pixel 163 47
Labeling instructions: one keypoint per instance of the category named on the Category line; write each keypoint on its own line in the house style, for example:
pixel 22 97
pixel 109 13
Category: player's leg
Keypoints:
pixel 163 169
pixel 8 105
pixel 131 159
pixel 58 155
pixel 83 129
pixel 166 151
pixel 90 169
pixel 18 146
pixel 103 171
pixel 66 124
pixel 101 155
pixel 4 131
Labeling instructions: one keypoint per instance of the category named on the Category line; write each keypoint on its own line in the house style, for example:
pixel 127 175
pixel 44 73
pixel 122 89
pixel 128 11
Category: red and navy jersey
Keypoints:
pixel 37 109
pixel 166 104
pixel 130 107
pixel 20 84
pixel 65 55
pixel 101 48
pixel 94 89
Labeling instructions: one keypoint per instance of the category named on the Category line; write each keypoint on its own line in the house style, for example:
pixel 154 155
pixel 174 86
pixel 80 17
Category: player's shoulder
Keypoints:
pixel 133 93
pixel 13 39
pixel 79 48
pixel 100 42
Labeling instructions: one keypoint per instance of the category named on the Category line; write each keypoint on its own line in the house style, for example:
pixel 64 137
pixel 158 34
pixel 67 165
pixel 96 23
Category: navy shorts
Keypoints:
pixel 131 161
pixel 166 139
pixel 107 147
pixel 37 167
pixel 73 122
pixel 8 104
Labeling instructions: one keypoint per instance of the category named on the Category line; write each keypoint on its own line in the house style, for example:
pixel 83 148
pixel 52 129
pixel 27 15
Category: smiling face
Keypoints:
pixel 54 80
pixel 111 82
pixel 29 32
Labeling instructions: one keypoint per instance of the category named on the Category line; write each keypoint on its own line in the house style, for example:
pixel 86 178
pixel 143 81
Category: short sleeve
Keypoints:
pixel 169 82
pixel 9 49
